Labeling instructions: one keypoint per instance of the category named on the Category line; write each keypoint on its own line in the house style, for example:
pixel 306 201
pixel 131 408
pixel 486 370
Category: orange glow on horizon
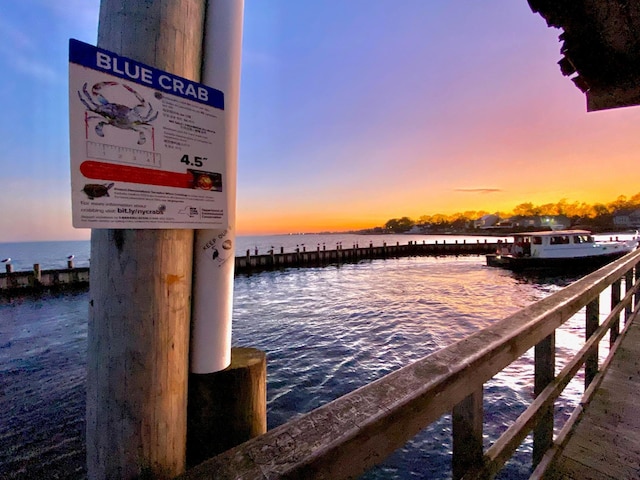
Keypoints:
pixel 266 222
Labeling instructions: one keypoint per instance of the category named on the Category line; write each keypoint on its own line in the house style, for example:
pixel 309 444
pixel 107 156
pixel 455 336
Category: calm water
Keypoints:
pixel 326 331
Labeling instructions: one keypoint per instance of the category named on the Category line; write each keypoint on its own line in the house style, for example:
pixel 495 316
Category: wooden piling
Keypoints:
pixel 37 275
pixel 227 408
pixel 139 307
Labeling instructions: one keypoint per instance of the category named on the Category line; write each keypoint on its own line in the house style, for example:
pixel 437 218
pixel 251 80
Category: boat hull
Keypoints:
pixel 570 264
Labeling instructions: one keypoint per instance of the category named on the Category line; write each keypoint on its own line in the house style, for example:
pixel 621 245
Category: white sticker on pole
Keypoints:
pixel 147 146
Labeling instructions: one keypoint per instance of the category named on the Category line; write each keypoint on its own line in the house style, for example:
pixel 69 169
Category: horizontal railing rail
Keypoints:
pixel 346 437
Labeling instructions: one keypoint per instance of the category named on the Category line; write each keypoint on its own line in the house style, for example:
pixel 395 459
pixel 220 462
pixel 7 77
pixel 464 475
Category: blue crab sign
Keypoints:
pixel 147 146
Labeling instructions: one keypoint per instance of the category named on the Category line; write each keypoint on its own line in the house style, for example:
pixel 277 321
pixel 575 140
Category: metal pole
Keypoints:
pixel 139 307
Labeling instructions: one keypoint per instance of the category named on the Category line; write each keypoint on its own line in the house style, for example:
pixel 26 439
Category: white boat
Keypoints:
pixel 560 249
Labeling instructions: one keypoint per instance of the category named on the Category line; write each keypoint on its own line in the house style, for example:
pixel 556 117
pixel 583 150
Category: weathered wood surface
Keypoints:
pixel 467 423
pixel 227 407
pixel 544 374
pixel 349 435
pixel 592 315
pixel 605 443
pixel 140 297
pixel 503 448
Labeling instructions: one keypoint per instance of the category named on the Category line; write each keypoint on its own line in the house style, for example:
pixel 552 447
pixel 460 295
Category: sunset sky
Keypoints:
pixel 352 113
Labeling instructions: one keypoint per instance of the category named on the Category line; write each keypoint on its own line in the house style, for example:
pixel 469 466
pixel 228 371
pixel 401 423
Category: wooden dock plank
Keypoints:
pixel 606 442
pixel 571 470
pixel 604 452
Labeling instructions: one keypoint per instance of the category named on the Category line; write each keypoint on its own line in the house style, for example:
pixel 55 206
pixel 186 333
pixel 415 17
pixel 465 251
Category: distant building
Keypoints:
pixel 525 221
pixel 420 228
pixel 486 221
pixel 627 218
pixel 555 222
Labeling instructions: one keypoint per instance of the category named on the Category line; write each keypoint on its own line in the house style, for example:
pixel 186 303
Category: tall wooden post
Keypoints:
pixel 141 285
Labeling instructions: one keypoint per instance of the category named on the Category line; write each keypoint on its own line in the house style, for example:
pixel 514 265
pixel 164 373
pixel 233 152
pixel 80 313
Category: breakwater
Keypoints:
pixel 37 280
pixel 78 277
pixel 320 257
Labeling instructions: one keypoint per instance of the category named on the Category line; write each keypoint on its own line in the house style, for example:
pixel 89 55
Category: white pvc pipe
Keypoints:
pixel 214 250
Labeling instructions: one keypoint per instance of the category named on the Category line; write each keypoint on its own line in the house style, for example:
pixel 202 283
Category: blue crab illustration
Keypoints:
pixel 120 116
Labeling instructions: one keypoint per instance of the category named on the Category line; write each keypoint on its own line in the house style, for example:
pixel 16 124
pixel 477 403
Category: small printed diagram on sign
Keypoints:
pixel 115 107
pixel 97 190
pixel 206 180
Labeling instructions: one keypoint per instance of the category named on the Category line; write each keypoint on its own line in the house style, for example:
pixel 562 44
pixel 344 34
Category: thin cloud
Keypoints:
pixel 478 190
pixel 36 69
pixel 15 37
pixel 19 52
pixel 23 62
pixel 76 12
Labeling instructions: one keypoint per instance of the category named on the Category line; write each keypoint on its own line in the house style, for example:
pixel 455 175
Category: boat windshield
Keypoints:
pixel 582 239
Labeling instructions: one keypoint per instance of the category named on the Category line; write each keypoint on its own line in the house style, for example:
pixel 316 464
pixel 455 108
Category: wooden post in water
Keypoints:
pixel 139 308
pixel 228 407
pixel 37 274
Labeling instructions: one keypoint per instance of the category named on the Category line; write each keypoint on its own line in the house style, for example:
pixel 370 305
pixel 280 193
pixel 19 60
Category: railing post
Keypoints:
pixel 592 322
pixel 545 365
pixel 615 300
pixel 628 285
pixel 636 297
pixel 467 434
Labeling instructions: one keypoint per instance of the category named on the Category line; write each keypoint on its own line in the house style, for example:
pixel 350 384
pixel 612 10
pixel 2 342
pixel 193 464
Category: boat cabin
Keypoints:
pixel 553 244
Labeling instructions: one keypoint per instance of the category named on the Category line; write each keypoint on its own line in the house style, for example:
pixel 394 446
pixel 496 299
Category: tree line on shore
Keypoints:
pixel 597 216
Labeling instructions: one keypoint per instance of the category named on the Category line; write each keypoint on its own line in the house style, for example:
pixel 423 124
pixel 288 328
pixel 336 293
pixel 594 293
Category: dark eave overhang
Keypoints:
pixel 600 47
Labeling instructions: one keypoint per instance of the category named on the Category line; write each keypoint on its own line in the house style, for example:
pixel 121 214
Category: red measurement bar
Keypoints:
pixel 125 173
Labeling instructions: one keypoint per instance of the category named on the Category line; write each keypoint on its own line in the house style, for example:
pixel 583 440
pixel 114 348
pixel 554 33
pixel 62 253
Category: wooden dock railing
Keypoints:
pixel 346 437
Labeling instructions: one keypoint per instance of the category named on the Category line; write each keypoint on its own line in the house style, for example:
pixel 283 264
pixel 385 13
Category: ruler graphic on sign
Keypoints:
pixel 115 153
